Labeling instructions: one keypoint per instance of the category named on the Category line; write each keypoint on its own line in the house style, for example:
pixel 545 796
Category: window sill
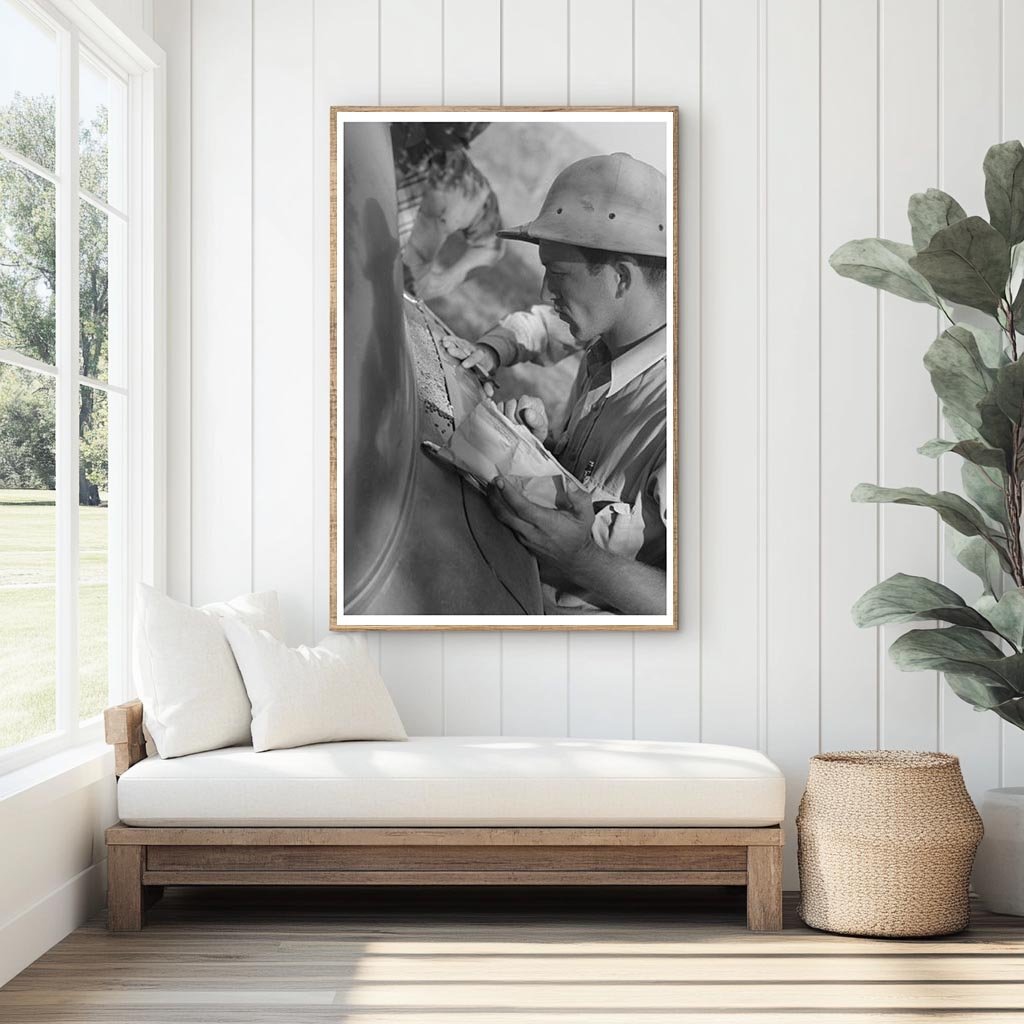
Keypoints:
pixel 55 776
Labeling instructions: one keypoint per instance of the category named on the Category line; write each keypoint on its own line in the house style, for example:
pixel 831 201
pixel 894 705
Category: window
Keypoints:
pixel 78 262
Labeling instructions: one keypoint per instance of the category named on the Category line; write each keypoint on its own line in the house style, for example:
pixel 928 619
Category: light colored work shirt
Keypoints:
pixel 614 442
pixel 534 335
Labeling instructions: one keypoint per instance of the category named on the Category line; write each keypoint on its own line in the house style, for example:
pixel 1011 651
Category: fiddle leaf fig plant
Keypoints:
pixel 978 375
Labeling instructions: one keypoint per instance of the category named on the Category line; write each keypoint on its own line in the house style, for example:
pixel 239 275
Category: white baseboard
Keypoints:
pixel 28 936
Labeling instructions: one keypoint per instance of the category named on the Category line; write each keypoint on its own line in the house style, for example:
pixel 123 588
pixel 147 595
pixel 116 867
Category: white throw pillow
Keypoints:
pixel 309 694
pixel 192 693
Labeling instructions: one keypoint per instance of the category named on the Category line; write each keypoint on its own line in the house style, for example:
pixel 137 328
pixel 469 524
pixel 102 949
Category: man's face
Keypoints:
pixel 584 300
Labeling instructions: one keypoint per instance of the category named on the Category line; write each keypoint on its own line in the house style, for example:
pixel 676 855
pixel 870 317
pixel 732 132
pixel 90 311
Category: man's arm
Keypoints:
pixel 563 540
pixel 534 335
pixel 625 584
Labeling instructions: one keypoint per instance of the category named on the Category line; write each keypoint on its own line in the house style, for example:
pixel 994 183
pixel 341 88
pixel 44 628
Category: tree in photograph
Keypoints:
pixel 28 282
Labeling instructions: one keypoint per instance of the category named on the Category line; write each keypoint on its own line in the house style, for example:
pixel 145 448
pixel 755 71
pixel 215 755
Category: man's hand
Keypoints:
pixel 481 358
pixel 569 557
pixel 528 410
pixel 561 537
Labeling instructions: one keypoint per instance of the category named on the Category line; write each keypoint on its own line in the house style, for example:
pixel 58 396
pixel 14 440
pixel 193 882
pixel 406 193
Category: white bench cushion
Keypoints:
pixel 459 780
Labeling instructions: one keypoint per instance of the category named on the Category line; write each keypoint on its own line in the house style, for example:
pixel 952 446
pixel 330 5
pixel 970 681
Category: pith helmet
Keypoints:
pixel 610 202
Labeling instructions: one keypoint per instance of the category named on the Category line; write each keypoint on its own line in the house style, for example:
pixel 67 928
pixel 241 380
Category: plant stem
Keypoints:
pixel 1012 498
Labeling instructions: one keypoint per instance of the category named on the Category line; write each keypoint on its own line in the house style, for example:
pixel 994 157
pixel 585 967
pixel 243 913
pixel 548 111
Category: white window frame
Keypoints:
pixel 141 64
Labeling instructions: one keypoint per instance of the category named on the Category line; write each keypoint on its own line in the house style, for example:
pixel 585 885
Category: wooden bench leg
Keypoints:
pixel 764 888
pixel 125 897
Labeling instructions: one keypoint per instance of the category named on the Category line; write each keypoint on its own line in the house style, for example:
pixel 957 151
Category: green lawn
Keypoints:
pixel 28 617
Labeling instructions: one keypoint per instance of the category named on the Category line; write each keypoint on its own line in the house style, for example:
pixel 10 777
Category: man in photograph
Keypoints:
pixel 601 233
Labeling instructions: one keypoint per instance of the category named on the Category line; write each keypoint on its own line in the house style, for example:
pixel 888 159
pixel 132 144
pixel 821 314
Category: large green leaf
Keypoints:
pixel 903 598
pixel 962 430
pixel 967 263
pixel 982 693
pixel 996 427
pixel 1012 710
pixel 964 652
pixel 932 211
pixel 985 487
pixel 1009 390
pixel 883 264
pixel 976 555
pixel 973 451
pixel 1006 614
pixel 990 345
pixel 958 371
pixel 954 510
pixel 1015 285
pixel 1017 309
pixel 1004 189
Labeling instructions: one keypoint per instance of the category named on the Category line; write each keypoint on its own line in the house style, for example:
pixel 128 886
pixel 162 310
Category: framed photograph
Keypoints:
pixel 504 344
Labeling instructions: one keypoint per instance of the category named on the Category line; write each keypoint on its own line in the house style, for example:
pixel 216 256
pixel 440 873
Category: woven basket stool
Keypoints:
pixel 885 843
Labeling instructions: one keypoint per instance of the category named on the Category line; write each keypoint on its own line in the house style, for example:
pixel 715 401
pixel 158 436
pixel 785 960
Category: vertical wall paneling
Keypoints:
pixel 600 52
pixel 472 684
pixel 729 359
pixel 344 53
pixel 534 691
pixel 411 68
pixel 792 416
pixel 849 369
pixel 412 665
pixel 173 30
pixel 412 72
pixel 601 685
pixel 283 308
pixel 881 99
pixel 667 665
pixel 221 371
pixel 1012 127
pixel 472 74
pixel 472 52
pixel 968 125
pixel 534 52
pixel 601 72
pixel 909 414
pixel 535 70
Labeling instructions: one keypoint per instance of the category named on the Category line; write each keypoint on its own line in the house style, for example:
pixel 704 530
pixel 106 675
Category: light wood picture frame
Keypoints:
pixel 587 539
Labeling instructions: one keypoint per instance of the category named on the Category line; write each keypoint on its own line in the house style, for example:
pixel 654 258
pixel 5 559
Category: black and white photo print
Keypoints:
pixel 503 368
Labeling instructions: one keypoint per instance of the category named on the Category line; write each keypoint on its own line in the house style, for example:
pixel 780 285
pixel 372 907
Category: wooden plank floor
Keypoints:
pixel 219 956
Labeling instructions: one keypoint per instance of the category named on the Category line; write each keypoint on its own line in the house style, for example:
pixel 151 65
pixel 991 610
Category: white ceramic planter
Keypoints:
pixel 999 866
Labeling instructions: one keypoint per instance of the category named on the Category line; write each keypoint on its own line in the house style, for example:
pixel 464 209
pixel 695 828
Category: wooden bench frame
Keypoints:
pixel 142 860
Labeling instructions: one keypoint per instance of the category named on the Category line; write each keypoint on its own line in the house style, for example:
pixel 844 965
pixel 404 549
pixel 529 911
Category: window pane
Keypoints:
pixel 94 291
pixel 101 103
pixel 101 295
pixel 28 263
pixel 28 85
pixel 93 551
pixel 28 546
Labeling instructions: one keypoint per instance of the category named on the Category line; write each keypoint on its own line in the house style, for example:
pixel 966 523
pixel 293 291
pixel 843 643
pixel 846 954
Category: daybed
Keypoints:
pixel 444 811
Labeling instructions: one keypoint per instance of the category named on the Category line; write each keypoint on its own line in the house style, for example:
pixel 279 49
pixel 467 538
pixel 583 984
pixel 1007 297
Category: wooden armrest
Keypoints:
pixel 122 728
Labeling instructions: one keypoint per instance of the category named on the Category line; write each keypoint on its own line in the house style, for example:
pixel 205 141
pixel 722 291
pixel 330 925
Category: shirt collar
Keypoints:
pixel 631 363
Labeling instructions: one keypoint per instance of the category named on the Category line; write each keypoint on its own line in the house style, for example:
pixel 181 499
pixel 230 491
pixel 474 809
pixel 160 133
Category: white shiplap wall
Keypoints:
pixel 803 123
